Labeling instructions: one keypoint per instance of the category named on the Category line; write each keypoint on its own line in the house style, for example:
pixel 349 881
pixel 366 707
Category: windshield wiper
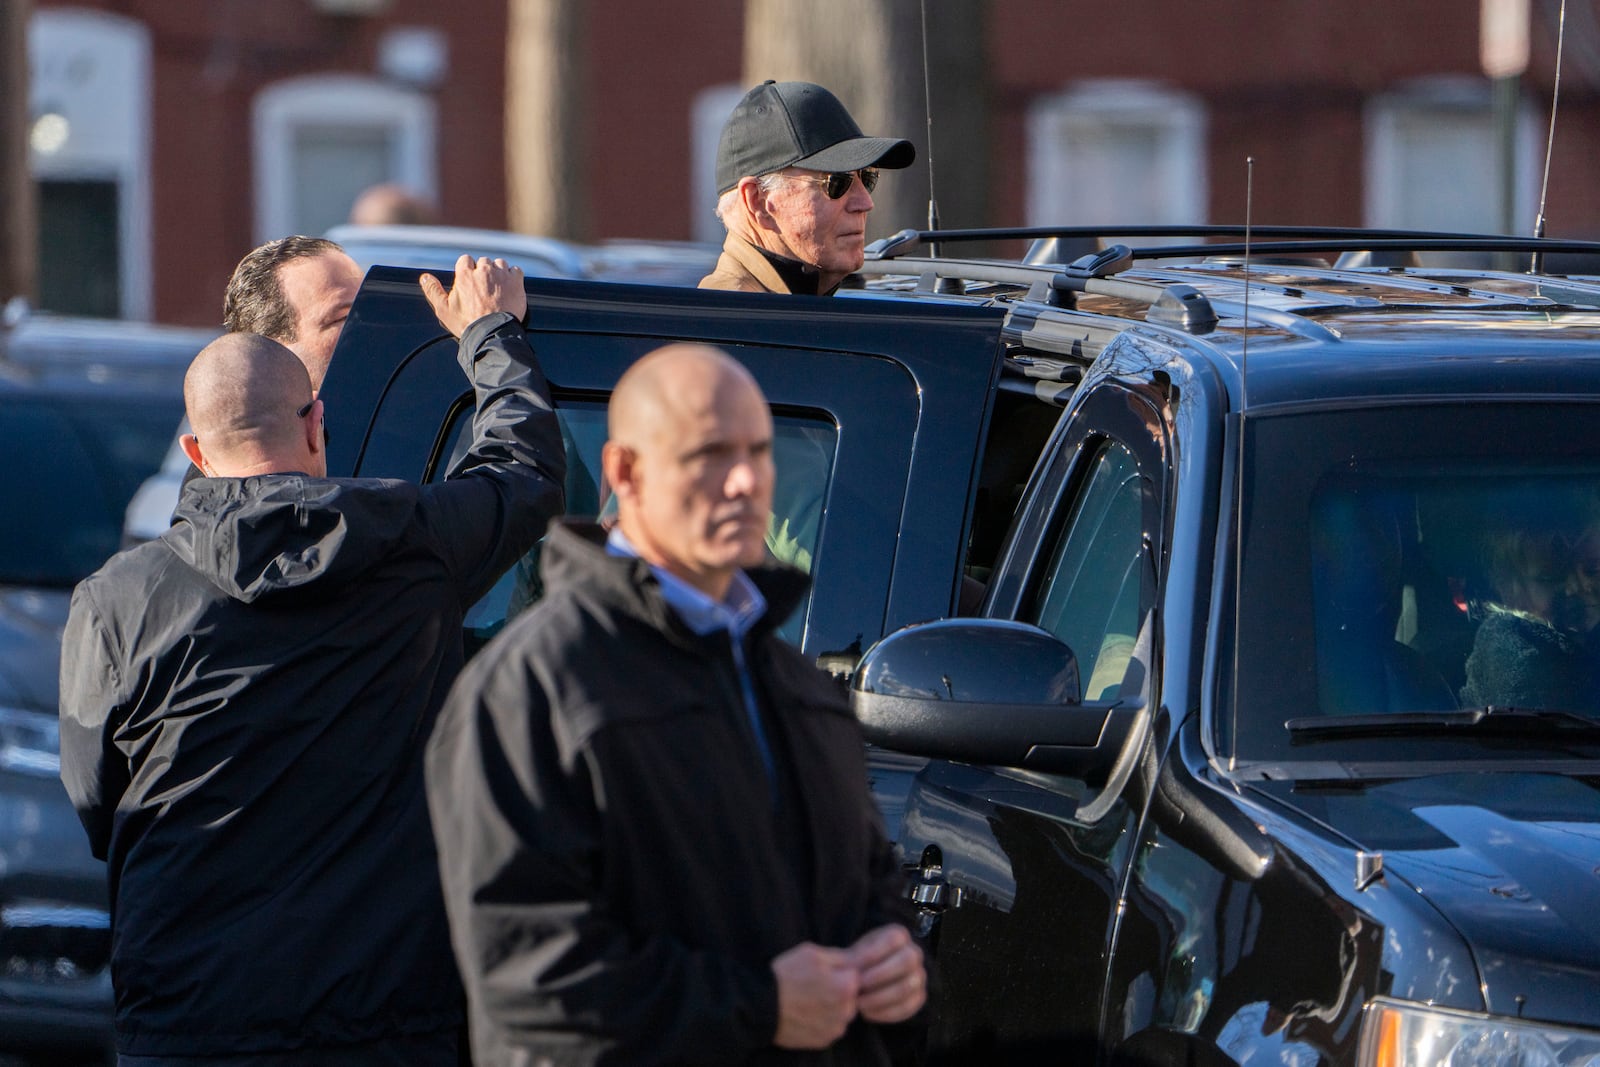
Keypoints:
pixel 1540 724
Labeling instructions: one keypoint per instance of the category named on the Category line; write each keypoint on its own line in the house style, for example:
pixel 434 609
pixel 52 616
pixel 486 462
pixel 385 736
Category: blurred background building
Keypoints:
pixel 162 139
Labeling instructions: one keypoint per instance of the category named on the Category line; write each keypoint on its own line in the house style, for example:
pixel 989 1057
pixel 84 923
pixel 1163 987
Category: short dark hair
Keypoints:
pixel 254 300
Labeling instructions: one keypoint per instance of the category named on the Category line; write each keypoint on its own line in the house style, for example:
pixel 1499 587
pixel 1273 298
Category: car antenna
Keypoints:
pixel 927 101
pixel 1238 467
pixel 1244 337
pixel 1536 264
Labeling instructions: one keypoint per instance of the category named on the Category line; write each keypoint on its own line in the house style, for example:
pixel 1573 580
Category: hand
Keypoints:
pixel 481 288
pixel 816 996
pixel 894 985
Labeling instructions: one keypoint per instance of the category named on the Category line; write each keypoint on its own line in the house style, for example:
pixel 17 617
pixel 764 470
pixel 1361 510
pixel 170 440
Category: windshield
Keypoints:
pixel 72 463
pixel 1427 559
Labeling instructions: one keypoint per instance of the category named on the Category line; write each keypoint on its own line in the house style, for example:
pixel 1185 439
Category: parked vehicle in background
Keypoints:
pixel 87 408
pixel 437 248
pixel 1200 783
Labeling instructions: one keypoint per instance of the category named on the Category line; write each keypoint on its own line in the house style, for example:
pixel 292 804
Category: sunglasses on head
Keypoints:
pixel 837 184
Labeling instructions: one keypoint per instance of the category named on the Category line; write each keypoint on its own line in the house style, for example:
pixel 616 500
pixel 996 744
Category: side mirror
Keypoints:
pixel 986 691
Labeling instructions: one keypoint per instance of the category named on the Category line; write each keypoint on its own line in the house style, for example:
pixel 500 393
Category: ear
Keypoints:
pixel 191 448
pixel 620 469
pixel 755 203
pixel 313 428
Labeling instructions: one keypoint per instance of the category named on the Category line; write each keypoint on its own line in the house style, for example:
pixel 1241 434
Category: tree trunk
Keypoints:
pixel 18 236
pixel 545 148
pixel 869 54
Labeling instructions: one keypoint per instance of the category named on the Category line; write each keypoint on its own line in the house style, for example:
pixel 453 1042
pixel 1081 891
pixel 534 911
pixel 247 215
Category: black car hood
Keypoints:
pixel 1511 860
pixel 31 620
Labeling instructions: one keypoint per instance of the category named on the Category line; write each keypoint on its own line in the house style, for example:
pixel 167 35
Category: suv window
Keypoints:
pixel 803 450
pixel 1089 594
pixel 1446 560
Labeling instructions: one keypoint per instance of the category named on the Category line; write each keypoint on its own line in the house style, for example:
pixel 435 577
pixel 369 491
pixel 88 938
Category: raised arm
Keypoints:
pixel 498 498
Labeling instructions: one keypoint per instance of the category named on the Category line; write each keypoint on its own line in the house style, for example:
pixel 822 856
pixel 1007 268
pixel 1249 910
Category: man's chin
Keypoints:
pixel 750 552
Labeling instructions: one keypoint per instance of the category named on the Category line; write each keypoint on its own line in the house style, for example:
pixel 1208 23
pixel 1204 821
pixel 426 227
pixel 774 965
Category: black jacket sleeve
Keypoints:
pixel 500 495
pixel 94 774
pixel 548 968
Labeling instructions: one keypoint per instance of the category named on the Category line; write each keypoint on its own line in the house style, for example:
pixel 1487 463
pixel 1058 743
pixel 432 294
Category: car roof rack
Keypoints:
pixel 1048 280
pixel 1274 239
pixel 1173 304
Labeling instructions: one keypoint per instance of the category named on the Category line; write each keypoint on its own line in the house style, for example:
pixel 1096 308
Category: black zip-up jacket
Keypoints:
pixel 244 705
pixel 618 868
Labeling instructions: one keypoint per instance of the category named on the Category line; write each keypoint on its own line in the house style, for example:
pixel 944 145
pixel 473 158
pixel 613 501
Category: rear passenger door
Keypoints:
pixel 879 408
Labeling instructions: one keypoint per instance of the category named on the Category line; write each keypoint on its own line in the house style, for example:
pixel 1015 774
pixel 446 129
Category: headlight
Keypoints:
pixel 30 742
pixel 1397 1034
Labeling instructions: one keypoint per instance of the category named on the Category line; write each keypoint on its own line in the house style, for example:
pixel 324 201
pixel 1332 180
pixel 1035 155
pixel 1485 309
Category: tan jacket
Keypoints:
pixel 742 266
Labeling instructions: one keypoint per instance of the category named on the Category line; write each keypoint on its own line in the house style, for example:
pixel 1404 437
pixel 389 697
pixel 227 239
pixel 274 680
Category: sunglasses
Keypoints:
pixel 304 410
pixel 837 184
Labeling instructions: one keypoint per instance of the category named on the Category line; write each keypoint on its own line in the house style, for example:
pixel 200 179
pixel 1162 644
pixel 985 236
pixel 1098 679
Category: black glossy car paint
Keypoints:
pixel 1187 905
pixel 909 388
pixel 1214 911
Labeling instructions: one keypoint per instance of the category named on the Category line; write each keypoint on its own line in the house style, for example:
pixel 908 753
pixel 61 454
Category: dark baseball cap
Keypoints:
pixel 797 124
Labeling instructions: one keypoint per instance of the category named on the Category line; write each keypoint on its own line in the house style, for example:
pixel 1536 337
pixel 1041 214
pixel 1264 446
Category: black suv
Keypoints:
pixel 1276 735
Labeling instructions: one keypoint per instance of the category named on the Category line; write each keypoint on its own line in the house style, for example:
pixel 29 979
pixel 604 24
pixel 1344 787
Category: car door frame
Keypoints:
pixel 913 457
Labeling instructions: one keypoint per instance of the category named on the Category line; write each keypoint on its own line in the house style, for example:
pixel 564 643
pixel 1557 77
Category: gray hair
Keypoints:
pixel 765 182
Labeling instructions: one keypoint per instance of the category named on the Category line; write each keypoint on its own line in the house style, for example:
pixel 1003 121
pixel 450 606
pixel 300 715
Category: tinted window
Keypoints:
pixel 72 463
pixel 803 451
pixel 1419 560
pixel 1090 591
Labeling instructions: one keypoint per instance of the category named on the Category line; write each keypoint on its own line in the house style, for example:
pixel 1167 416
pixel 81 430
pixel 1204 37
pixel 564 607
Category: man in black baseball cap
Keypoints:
pixel 795 176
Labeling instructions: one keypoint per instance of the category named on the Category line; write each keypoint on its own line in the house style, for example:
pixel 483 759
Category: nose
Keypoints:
pixel 858 199
pixel 741 480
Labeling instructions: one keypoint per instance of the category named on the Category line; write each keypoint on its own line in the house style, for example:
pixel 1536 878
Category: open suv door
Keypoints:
pixel 881 410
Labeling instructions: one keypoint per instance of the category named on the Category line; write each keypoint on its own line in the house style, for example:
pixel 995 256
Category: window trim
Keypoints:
pixel 1087 106
pixel 282 107
pixel 1109 411
pixel 129 169
pixel 1382 201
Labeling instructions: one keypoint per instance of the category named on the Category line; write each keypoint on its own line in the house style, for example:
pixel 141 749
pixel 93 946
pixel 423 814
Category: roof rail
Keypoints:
pixel 1177 305
pixel 1278 239
pixel 1425 244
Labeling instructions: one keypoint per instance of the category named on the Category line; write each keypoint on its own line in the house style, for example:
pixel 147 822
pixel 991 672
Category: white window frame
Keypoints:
pixel 119 153
pixel 1386 115
pixel 1077 114
pixel 707 115
pixel 335 98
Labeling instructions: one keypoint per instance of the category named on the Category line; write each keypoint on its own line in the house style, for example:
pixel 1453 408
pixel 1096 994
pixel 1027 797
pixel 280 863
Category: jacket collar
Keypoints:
pixel 798 277
pixel 737 612
pixel 754 263
pixel 575 558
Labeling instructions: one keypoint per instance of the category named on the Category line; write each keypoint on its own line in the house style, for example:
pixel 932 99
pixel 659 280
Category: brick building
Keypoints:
pixel 170 136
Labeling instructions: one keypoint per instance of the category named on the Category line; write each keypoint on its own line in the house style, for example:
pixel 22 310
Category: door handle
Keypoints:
pixel 931 894
pixel 928 887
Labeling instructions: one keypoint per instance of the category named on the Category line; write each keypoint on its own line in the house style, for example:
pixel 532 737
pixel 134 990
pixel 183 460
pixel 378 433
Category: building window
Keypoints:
pixel 1116 151
pixel 710 110
pixel 89 150
pixel 321 140
pixel 1431 159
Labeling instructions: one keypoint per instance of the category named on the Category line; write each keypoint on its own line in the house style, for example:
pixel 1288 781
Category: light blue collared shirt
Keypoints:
pixel 739 610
